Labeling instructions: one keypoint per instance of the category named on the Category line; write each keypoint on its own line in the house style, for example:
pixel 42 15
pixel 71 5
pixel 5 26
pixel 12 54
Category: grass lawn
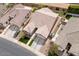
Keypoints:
pixel 62 13
pixel 24 39
pixel 74 8
pixel 31 43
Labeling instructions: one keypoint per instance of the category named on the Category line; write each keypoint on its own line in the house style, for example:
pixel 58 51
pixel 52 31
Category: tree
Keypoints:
pixel 53 51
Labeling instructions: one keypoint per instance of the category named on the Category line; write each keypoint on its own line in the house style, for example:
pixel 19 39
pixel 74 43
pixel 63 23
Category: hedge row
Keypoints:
pixel 74 8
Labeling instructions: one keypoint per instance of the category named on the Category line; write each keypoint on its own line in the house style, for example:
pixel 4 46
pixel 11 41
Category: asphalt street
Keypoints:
pixel 8 48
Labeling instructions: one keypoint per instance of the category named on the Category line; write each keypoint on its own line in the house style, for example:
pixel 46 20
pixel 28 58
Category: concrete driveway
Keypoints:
pixel 12 30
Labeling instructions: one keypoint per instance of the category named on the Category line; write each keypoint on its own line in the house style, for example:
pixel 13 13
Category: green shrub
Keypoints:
pixel 68 16
pixel 62 13
pixel 24 39
pixel 31 43
pixel 73 8
pixel 34 9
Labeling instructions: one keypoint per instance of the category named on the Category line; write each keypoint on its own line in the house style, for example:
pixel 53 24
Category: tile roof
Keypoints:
pixel 19 11
pixel 70 33
pixel 10 13
pixel 44 17
pixel 47 11
pixel 30 27
pixel 20 17
pixel 43 31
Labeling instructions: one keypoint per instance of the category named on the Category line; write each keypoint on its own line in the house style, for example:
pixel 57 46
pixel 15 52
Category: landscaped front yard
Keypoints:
pixel 24 39
pixel 31 43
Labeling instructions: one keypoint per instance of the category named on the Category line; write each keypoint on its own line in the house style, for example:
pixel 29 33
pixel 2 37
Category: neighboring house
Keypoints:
pixel 8 16
pixel 16 18
pixel 58 5
pixel 41 23
pixel 15 11
pixel 68 39
pixel 54 6
pixel 21 16
pixel 3 9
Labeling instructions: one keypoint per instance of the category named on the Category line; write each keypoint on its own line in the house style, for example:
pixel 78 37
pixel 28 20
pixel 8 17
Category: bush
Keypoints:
pixel 68 16
pixel 24 39
pixel 34 9
pixel 62 13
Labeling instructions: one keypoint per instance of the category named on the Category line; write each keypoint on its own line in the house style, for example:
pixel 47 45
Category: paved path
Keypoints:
pixel 46 47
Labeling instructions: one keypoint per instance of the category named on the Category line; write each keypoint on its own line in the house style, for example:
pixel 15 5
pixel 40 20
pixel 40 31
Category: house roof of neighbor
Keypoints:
pixel 18 14
pixel 20 17
pixel 70 34
pixel 59 5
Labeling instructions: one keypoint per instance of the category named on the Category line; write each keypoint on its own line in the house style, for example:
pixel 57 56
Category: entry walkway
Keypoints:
pixel 46 47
